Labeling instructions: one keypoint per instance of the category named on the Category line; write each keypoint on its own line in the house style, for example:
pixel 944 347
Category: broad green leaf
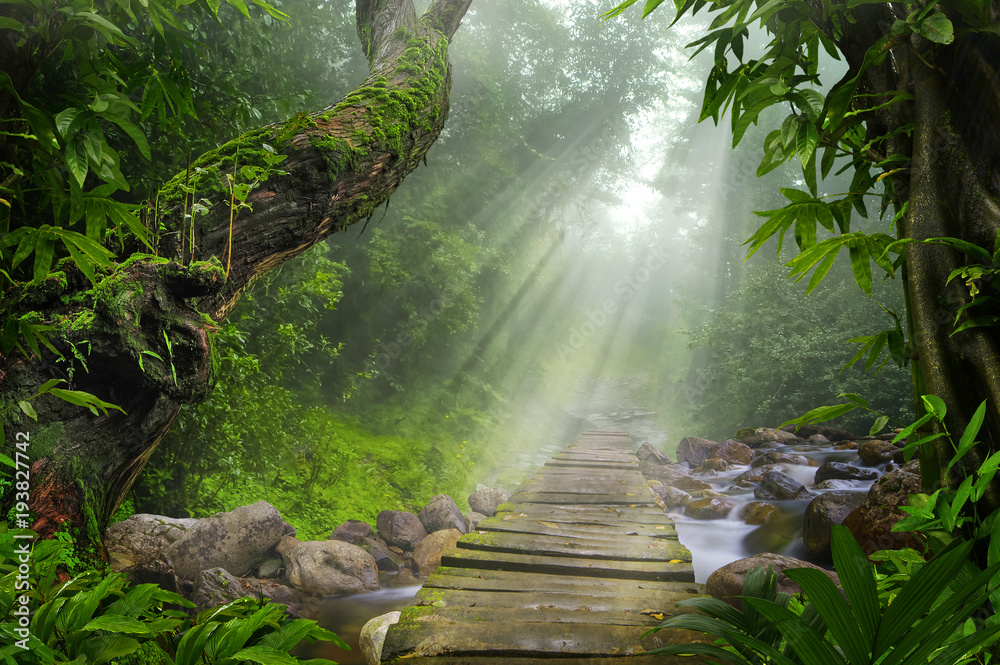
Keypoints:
pixel 265 656
pixel 860 401
pixel 76 161
pixel 936 27
pixel 7 23
pixel 878 425
pixel 117 624
pixel 28 410
pixel 969 435
pixel 651 5
pixel 807 141
pixel 861 265
pixel 935 406
pixel 133 132
pixel 64 122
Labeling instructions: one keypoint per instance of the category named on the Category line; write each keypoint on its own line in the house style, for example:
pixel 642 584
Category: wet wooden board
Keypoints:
pixel 576 569
pixel 635 548
pixel 578 529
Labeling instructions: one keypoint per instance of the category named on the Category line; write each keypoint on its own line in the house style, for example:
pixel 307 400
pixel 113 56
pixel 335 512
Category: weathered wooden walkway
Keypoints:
pixel 573 569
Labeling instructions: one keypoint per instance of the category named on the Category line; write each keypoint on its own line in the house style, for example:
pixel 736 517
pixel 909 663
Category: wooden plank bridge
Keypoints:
pixel 573 569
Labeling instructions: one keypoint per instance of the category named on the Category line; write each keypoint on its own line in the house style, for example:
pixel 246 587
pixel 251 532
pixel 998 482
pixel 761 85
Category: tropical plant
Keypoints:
pixel 924 623
pixel 909 113
pixel 97 617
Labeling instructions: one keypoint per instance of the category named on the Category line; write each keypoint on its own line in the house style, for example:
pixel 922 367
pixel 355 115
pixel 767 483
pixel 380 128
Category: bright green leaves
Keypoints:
pixel 803 212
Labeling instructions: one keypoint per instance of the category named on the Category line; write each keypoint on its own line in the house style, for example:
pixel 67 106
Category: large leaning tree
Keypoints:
pixel 915 118
pixel 135 329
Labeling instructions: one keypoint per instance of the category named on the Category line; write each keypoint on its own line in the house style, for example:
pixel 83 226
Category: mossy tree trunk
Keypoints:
pixel 948 125
pixel 142 337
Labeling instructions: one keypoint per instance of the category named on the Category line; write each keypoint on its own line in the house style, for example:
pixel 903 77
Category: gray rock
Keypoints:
pixel 755 474
pixel 216 587
pixel 385 559
pixel 327 567
pixel 733 452
pixel 667 496
pixel 402 529
pixel 269 568
pixel 843 471
pixel 144 538
pixel 834 485
pixel 726 584
pixel 756 513
pixel 715 464
pixel 485 501
pixel 778 458
pixel 821 514
pixel 427 556
pixel 755 437
pixel 694 450
pixel 831 433
pixel 709 509
pixel 237 541
pixel 781 486
pixel 442 513
pixel 872 521
pixel 373 637
pixel 472 520
pixel 647 453
pixel 352 531
pixel 876 451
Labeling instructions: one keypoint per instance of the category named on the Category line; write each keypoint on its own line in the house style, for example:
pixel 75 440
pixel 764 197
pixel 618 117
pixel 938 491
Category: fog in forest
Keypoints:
pixel 570 257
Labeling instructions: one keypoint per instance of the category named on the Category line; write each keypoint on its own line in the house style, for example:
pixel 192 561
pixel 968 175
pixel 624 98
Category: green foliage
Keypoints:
pixel 924 622
pixel 96 617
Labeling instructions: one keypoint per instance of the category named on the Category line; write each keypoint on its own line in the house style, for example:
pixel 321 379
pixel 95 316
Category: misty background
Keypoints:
pixel 571 257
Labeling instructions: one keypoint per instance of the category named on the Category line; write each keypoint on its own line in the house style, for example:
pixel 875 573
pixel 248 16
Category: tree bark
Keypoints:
pixel 142 337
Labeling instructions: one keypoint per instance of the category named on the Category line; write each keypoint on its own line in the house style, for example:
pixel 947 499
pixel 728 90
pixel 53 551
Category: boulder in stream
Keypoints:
pixel 831 433
pixel 472 520
pixel 755 437
pixel 485 501
pixel 667 497
pixel 772 457
pixel 236 541
pixel 328 567
pixel 821 514
pixel 780 486
pixel 733 452
pixel 756 513
pixel 143 538
pixel 442 513
pixel 427 556
pixel 373 636
pixel 694 450
pixel 872 521
pixel 399 528
pixel 726 584
pixel 877 451
pixel 216 587
pixel 709 509
pixel 843 471
pixel 648 453
pixel 351 531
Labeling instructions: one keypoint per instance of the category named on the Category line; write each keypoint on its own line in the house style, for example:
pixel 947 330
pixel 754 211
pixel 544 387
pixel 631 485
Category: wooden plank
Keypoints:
pixel 542 660
pixel 582 486
pixel 631 600
pixel 503 580
pixel 564 565
pixel 548 527
pixel 569 509
pixel 634 548
pixel 443 637
pixel 568 497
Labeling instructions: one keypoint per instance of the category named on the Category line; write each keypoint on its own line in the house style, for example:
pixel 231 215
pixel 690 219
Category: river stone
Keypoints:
pixel 352 531
pixel 157 571
pixel 442 513
pixel 709 509
pixel 472 520
pixel 831 433
pixel 402 529
pixel 280 593
pixel 775 534
pixel 843 471
pixel 694 450
pixel 781 486
pixel 818 438
pixel 821 514
pixel 755 474
pixel 758 512
pixel 846 445
pixel 872 521
pixel 327 567
pixel 755 437
pixel 485 501
pixel 269 568
pixel 876 451
pixel 373 636
pixel 216 587
pixel 647 453
pixel 427 556
pixel 237 541
pixel 835 484
pixel 143 538
pixel 733 452
pixel 666 496
pixel 715 464
pixel 778 458
pixel 726 584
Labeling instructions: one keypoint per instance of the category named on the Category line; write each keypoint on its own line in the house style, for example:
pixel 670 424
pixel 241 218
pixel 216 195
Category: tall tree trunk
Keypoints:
pixel 142 337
